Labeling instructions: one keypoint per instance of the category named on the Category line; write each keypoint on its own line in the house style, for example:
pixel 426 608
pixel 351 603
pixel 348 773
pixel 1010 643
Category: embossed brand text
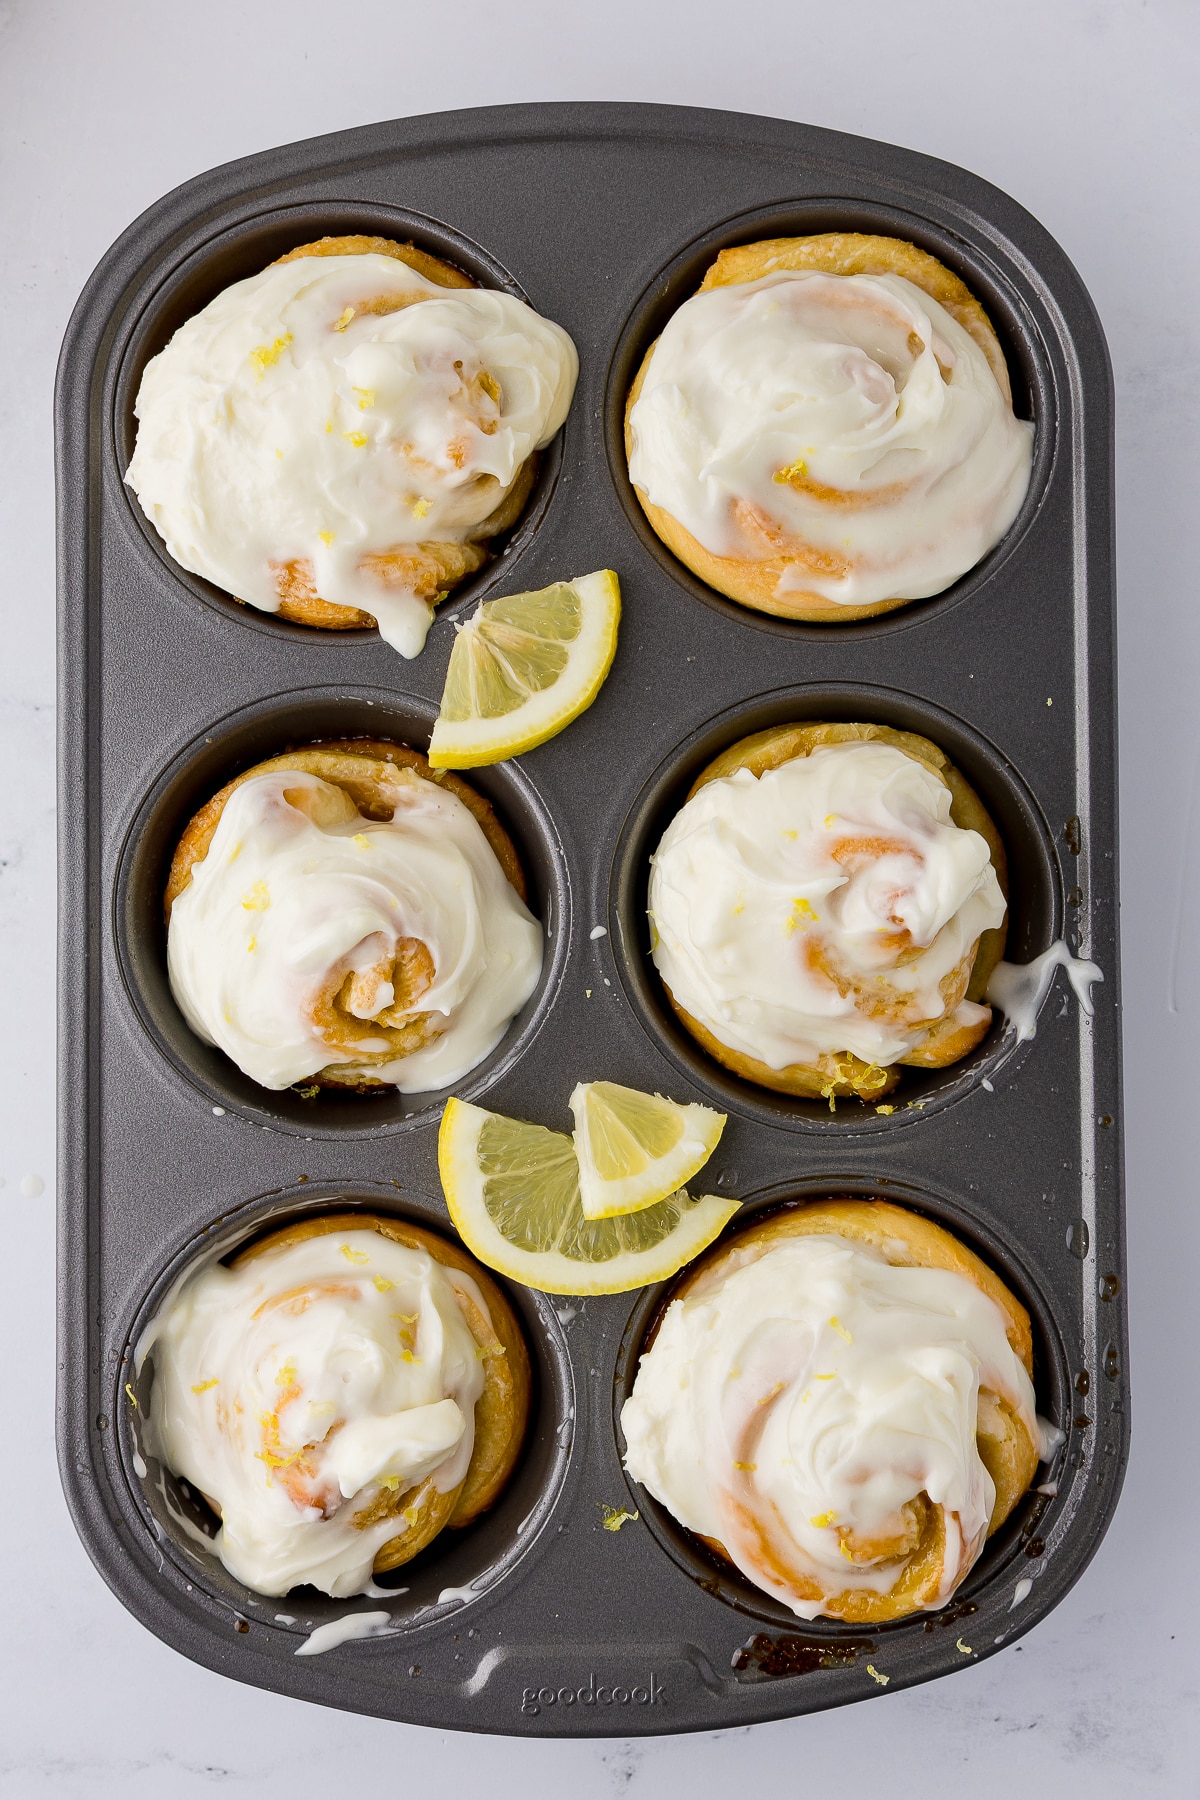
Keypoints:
pixel 593 1693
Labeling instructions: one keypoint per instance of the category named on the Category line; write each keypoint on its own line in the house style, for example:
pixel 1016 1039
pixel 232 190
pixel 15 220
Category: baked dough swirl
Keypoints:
pixel 345 1389
pixel 839 1401
pixel 336 438
pixel 828 904
pixel 825 430
pixel 341 915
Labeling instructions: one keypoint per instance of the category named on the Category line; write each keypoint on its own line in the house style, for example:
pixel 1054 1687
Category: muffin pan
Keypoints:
pixel 541 1619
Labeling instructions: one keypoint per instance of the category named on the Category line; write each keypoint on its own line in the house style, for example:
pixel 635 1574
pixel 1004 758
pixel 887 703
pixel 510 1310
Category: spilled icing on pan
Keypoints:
pixel 345 1630
pixel 1018 989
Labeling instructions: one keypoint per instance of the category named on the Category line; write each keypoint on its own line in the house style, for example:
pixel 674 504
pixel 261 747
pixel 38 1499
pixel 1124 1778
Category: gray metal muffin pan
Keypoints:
pixel 605 217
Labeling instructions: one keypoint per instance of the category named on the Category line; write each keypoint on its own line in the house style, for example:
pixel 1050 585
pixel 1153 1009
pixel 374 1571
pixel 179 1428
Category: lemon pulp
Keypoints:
pixel 523 667
pixel 513 1194
pixel 634 1148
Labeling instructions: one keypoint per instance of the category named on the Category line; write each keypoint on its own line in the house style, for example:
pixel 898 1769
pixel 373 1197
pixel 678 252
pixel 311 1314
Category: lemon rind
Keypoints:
pixel 634 1193
pixel 475 743
pixel 549 1271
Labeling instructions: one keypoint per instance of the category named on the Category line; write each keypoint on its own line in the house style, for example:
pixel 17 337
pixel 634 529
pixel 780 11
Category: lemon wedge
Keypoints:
pixel 524 667
pixel 513 1194
pixel 634 1149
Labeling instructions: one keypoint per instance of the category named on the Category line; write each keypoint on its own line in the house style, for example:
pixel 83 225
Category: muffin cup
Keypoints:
pixel 679 279
pixel 1034 901
pixel 289 721
pixel 244 249
pixel 1003 1557
pixel 460 1566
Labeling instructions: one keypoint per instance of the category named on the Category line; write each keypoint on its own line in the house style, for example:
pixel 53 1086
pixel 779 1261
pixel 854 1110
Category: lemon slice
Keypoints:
pixel 524 667
pixel 634 1149
pixel 513 1194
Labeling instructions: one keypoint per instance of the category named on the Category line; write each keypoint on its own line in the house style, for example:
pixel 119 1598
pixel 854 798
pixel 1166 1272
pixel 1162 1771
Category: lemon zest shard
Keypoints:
pixel 341 324
pixel 202 1387
pixel 258 899
pixel 821 1520
pixel 265 356
pixel 353 1256
pixel 873 1672
pixel 840 1328
pixel 802 909
pixel 613 1517
pixel 794 472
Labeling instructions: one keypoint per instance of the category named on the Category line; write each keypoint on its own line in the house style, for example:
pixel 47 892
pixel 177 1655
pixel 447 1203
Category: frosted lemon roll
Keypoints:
pixel 308 940
pixel 322 1395
pixel 816 910
pixel 841 1423
pixel 341 433
pixel 819 444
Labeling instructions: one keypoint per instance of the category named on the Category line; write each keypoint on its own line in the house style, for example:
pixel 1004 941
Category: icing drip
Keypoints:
pixel 1018 989
pixel 344 1631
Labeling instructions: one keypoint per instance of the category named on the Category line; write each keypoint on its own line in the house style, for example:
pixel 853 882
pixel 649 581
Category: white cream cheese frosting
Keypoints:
pixel 295 417
pixel 800 1397
pixel 298 1389
pixel 845 422
pixel 293 945
pixel 819 908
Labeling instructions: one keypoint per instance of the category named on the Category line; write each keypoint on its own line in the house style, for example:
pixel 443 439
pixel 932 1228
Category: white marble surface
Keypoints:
pixel 1081 109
